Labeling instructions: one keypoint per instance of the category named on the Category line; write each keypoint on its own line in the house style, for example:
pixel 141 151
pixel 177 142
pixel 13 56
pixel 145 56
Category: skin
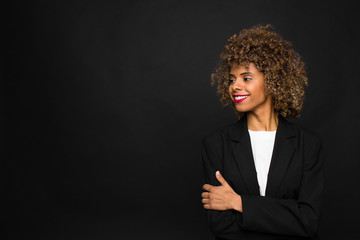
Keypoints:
pixel 260 117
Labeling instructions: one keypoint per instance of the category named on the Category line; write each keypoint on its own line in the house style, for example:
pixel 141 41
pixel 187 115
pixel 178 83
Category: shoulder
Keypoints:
pixel 219 134
pixel 306 135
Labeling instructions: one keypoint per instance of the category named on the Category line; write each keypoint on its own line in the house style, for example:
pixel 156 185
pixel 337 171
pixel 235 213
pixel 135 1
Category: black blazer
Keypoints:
pixel 291 206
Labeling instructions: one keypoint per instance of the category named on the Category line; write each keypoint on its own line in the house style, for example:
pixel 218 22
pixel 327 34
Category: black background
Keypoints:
pixel 105 104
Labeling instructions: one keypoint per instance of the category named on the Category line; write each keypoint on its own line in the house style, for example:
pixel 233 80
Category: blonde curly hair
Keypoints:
pixel 283 68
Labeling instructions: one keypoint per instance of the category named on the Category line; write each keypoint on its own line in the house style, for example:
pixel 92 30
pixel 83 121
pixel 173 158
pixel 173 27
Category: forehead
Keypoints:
pixel 238 68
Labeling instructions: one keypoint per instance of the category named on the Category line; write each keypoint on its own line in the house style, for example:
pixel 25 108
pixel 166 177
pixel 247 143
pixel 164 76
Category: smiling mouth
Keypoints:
pixel 240 98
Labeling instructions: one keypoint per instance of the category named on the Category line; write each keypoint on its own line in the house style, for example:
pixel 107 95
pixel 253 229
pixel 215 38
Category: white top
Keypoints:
pixel 262 145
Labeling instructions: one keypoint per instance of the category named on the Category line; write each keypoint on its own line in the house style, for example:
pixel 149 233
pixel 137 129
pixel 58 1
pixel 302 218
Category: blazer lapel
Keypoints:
pixel 280 160
pixel 241 147
pixel 281 157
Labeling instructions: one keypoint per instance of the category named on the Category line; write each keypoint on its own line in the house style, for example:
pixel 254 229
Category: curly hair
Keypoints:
pixel 283 68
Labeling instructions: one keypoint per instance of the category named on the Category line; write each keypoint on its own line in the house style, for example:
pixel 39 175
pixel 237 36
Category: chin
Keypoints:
pixel 242 109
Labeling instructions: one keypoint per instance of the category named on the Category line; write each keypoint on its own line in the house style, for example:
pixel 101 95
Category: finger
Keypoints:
pixel 205 200
pixel 205 194
pixel 221 179
pixel 207 206
pixel 207 187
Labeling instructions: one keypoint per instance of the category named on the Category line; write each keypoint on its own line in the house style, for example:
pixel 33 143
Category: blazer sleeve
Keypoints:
pixel 222 223
pixel 298 217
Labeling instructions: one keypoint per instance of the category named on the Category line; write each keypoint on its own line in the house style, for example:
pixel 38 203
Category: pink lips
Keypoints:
pixel 239 98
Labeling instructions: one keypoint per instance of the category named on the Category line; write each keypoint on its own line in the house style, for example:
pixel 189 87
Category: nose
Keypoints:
pixel 237 86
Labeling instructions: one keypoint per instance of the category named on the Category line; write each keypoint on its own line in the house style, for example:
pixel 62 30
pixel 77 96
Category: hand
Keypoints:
pixel 221 197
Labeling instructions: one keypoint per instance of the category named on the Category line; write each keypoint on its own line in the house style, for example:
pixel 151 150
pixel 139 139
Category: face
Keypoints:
pixel 247 89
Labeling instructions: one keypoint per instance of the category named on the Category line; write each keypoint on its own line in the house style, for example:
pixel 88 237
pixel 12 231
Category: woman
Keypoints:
pixel 263 174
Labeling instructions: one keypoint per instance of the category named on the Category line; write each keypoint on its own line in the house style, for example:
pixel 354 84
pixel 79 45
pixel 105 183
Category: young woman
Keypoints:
pixel 263 174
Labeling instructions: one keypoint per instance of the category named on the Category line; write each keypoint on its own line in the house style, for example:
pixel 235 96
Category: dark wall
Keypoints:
pixel 105 104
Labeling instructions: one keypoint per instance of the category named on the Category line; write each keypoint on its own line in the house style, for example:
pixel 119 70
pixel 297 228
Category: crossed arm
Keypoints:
pixel 229 213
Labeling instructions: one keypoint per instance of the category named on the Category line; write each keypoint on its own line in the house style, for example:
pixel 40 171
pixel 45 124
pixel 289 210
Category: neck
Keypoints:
pixel 264 121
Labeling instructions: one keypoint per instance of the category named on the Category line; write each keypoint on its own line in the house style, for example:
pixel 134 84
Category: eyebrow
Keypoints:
pixel 241 74
pixel 245 73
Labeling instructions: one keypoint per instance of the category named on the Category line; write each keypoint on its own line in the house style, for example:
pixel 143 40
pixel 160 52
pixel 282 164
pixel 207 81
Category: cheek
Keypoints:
pixel 260 91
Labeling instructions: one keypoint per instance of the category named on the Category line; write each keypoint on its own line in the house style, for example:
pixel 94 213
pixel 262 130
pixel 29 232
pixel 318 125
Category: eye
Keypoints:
pixel 247 79
pixel 231 81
